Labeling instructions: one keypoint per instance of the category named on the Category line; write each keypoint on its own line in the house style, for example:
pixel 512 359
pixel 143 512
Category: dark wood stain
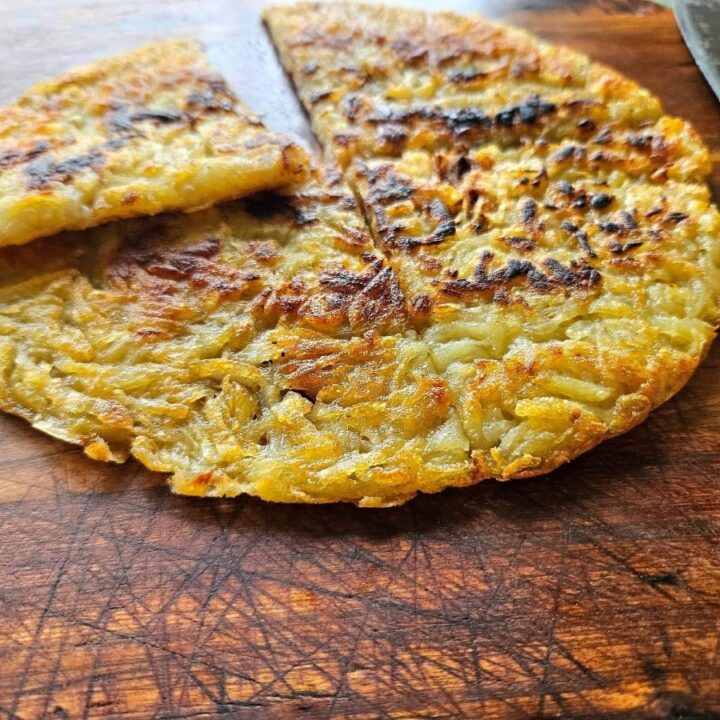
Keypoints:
pixel 594 592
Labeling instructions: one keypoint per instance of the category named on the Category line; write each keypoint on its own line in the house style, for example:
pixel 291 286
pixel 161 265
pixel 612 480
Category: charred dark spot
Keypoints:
pixel 452 169
pixel 584 243
pixel 343 280
pixel 617 248
pixel 579 103
pixel 565 188
pixel 581 237
pixel 461 287
pixel 439 210
pixel 446 224
pixel 16 156
pixel 264 251
pixel 577 275
pixel 539 280
pixel 611 227
pixel 463 120
pixel 603 157
pixel 526 113
pixel 348 203
pixel 380 301
pixel 184 262
pixel 639 141
pixel 155 268
pixel 461 167
pixel 580 201
pixel 392 134
pixel 519 242
pixel 354 237
pixel 352 106
pixel 462 76
pixel 115 144
pixel 411 52
pixel 268 204
pixel 628 220
pixel 653 211
pixel 421 304
pixel 586 125
pixel 210 101
pixel 320 96
pixel 159 116
pixel 675 217
pixel 444 230
pixel 381 220
pixel 481 224
pixel 528 211
pixel 304 217
pixel 601 201
pixel 576 152
pixel 540 177
pixel 215 83
pixel 119 122
pixel 515 268
pixel 42 172
pixel 603 137
pixel 387 187
pixel 286 298
pixel 564 154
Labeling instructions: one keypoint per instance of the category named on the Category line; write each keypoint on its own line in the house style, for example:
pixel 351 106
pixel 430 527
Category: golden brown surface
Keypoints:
pixel 551 228
pixel 260 347
pixel 378 80
pixel 149 131
pixel 537 288
pixel 591 592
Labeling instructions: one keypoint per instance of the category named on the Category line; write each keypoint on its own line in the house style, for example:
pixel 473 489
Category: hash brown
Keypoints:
pixel 258 347
pixel 550 227
pixel 146 132
pixel 538 270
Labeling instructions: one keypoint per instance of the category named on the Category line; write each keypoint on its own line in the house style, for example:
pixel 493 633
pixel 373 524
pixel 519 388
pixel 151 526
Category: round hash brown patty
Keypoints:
pixel 538 267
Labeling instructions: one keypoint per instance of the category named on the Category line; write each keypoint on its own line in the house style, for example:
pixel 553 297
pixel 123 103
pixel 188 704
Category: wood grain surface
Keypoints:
pixel 594 592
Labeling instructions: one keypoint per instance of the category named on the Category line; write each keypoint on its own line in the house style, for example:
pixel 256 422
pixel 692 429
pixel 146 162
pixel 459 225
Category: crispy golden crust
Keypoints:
pixel 146 132
pixel 259 347
pixel 560 313
pixel 536 278
pixel 550 228
pixel 378 81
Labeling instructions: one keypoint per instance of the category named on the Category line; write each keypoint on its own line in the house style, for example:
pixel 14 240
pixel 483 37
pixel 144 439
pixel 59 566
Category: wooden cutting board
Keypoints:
pixel 590 593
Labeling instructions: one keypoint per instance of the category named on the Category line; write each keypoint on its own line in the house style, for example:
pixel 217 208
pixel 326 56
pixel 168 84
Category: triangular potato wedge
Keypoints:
pixel 257 347
pixel 551 228
pixel 153 130
pixel 379 81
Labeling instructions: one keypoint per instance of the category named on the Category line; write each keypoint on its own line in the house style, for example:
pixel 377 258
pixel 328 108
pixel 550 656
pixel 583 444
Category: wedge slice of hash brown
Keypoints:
pixel 377 81
pixel 561 304
pixel 550 227
pixel 142 133
pixel 257 347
